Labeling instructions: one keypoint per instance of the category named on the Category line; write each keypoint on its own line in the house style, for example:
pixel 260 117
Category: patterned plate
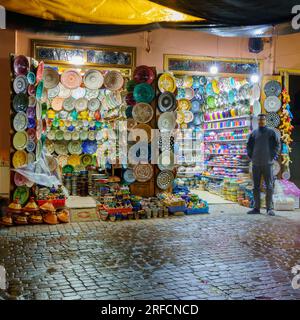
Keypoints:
pixel 202 80
pixel 38 149
pixel 189 93
pixel 30 157
pixel 166 102
pixel 184 104
pixel 143 172
pixel 113 80
pixel 62 160
pixel 273 120
pixel 78 93
pixel 69 104
pixel 164 179
pixel 49 146
pixel 40 71
pixel 57 104
pixel 21 193
pixel 143 92
pixel 31 90
pixel 188 116
pixel 129 176
pixel 51 78
pixel 256 108
pixel 166 82
pixel 142 112
pixel 255 92
pixel 19 180
pixel 19 159
pixel 74 147
pixel 93 79
pixel 63 91
pixel 166 161
pixel 81 104
pixel 94 104
pixel 20 84
pixel 272 104
pixel 60 147
pixel 166 121
pixel 20 121
pixel 20 102
pixel 20 140
pixel 21 65
pixel 272 88
pixel 74 160
pixel 195 106
pixel 31 78
pixel 143 74
pixel 86 159
pixel 286 175
pixel 30 147
pixel 71 79
pixel 91 94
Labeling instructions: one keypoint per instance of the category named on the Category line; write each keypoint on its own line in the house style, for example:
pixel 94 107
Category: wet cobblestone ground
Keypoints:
pixel 224 255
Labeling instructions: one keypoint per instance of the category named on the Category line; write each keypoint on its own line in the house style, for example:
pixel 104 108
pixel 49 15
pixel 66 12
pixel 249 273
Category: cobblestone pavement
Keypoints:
pixel 224 255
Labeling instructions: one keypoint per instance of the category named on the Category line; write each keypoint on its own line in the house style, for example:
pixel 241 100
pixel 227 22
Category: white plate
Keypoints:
pixel 272 104
pixel 256 108
pixel 255 92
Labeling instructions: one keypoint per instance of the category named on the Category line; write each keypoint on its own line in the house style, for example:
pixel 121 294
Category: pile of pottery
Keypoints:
pixel 31 213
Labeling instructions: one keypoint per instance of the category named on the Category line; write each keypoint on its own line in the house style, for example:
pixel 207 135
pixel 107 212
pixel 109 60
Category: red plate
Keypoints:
pixel 40 71
pixel 19 180
pixel 143 74
pixel 21 65
pixel 31 134
pixel 31 90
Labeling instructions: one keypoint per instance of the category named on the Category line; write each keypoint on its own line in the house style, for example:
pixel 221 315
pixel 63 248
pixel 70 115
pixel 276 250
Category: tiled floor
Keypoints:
pixel 224 255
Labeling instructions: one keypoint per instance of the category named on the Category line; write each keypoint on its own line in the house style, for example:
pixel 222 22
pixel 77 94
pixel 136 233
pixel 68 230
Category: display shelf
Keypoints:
pixel 226 165
pixel 226 141
pixel 218 177
pixel 225 154
pixel 227 128
pixel 225 119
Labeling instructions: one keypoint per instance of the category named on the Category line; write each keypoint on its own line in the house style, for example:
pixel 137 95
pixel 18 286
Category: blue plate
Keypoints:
pixel 143 92
pixel 195 106
pixel 202 81
pixel 196 82
pixel 89 147
pixel 209 89
pixel 129 176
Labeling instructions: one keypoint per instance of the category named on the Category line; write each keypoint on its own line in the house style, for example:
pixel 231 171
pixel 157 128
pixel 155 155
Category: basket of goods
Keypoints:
pixel 200 206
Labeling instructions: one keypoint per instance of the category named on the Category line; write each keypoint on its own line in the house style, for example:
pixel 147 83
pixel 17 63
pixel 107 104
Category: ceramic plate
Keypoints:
pixel 63 91
pixel 21 65
pixel 31 134
pixel 59 135
pixel 75 135
pixel 71 79
pixel 74 147
pixel 166 121
pixel 166 161
pixel 57 104
pixel 272 104
pixel 143 74
pixel 20 102
pixel 86 159
pixel 189 93
pixel 78 93
pixel 20 84
pixel 93 79
pixel 167 102
pixel 256 108
pixel 142 112
pixel 20 140
pixel 74 160
pixel 91 94
pixel 40 71
pixel 195 106
pixel 143 172
pixel 273 119
pixel 60 147
pixel 20 121
pixel 51 78
pixel 19 159
pixel 31 78
pixel 184 104
pixel 129 176
pixel 69 104
pixel 67 169
pixel 113 80
pixel 62 160
pixel 202 80
pixel 286 175
pixel 143 92
pixel 83 135
pixel 38 149
pixel 52 93
pixel 19 180
pixel 255 92
pixel 93 104
pixel 211 102
pixel 164 179
pixel 31 90
pixel 39 90
pixel 89 147
pixel 30 157
pixel 21 193
pixel 30 147
pixel 81 104
pixel 49 146
pixel 188 116
pixel 166 82
pixel 272 88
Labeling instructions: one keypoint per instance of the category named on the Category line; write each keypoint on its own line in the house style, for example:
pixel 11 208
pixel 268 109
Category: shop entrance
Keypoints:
pixel 294 91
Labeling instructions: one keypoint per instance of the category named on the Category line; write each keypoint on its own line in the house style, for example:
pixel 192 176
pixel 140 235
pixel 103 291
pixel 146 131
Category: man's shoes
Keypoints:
pixel 270 212
pixel 254 211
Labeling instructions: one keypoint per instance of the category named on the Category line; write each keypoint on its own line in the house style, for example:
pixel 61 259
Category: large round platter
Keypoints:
pixel 60 147
pixel 19 159
pixel 20 102
pixel 71 79
pixel 166 82
pixel 93 79
pixel 166 121
pixel 142 112
pixel 256 108
pixel 52 93
pixel 20 121
pixel 94 104
pixel 166 161
pixel 166 101
pixel 74 147
pixel 63 91
pixel 143 92
pixel 51 78
pixel 129 176
pixel 20 140
pixel 89 147
pixel 69 104
pixel 272 88
pixel 21 65
pixel 272 104
pixel 113 80
pixel 21 193
pixel 20 84
pixel 143 74
pixel 143 172
pixel 273 120
pixel 164 179
pixel 81 104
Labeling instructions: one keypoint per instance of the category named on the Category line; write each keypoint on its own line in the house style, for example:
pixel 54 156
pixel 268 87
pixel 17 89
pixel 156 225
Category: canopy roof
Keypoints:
pixel 107 17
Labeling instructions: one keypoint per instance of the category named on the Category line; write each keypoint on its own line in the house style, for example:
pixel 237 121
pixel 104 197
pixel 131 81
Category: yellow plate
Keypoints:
pixel 188 81
pixel 19 159
pixel 215 86
pixel 20 140
pixel 184 104
pixel 74 160
pixel 166 82
pixel 180 117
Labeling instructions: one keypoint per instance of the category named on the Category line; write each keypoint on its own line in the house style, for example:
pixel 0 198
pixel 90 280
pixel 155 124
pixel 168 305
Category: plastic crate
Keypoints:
pixel 58 203
pixel 177 209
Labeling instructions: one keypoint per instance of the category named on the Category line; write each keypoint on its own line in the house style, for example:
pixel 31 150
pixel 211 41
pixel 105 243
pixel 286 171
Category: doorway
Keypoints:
pixel 294 91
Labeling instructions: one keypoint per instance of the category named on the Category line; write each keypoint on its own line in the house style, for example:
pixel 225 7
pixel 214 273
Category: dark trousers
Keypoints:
pixel 267 172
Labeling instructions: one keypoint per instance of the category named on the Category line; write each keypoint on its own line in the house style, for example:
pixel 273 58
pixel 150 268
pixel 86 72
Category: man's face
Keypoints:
pixel 262 121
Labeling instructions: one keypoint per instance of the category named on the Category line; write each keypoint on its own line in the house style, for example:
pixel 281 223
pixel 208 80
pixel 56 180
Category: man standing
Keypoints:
pixel 263 147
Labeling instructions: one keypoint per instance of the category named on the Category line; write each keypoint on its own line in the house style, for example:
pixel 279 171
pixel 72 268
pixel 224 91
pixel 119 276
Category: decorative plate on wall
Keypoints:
pixel 272 88
pixel 272 104
pixel 113 80
pixel 142 112
pixel 71 79
pixel 143 172
pixel 93 79
pixel 164 179
pixel 51 78
pixel 166 102
pixel 166 121
pixel 166 82
pixel 143 74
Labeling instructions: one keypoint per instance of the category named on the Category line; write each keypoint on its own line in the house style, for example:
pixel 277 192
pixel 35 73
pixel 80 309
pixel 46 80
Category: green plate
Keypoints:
pixel 22 193
pixel 143 92
pixel 211 102
pixel 68 169
pixel 86 160
pixel 39 90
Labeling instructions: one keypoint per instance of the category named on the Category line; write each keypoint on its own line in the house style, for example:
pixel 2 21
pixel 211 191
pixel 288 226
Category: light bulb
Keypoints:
pixel 254 78
pixel 213 70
